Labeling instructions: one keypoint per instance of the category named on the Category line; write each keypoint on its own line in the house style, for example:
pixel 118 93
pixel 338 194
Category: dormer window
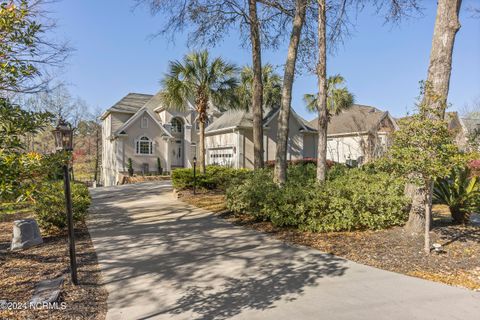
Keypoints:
pixel 144 123
pixel 144 145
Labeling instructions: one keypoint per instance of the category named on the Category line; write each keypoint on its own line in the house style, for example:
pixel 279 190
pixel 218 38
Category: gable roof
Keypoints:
pixel 137 115
pixel 244 119
pixel 131 103
pixel 357 118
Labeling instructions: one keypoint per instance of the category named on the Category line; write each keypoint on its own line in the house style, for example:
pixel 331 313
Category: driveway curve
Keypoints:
pixel 163 259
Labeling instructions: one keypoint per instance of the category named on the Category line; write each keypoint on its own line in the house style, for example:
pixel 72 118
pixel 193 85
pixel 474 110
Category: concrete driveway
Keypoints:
pixel 163 259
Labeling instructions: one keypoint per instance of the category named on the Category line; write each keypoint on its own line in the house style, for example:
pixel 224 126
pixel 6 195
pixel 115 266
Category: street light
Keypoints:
pixel 63 134
pixel 194 174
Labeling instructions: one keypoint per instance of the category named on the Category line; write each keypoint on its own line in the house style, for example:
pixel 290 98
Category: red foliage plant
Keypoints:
pixel 474 166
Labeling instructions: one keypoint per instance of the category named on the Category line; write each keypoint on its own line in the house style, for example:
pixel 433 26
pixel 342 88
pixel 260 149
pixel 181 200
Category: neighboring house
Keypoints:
pixel 137 127
pixel 229 139
pixel 472 131
pixel 358 134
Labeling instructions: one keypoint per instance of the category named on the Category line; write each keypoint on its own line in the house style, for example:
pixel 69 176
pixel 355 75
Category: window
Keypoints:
pixel 176 125
pixel 144 146
pixel 144 123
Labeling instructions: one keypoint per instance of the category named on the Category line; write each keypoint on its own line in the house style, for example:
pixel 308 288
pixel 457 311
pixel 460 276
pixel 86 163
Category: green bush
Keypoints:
pixel 215 177
pixel 358 200
pixel 49 204
pixel 354 199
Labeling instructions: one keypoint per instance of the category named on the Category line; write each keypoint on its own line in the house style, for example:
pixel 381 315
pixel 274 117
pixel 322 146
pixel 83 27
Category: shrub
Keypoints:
pixel 460 192
pixel 49 204
pixel 130 167
pixel 352 200
pixel 215 177
pixel 271 163
pixel 357 200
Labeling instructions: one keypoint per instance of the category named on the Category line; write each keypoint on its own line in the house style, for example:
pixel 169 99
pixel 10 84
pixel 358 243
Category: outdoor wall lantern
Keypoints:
pixel 63 134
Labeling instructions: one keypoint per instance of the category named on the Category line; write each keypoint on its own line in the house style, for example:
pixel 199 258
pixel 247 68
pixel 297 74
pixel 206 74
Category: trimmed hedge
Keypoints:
pixel 49 204
pixel 215 177
pixel 349 200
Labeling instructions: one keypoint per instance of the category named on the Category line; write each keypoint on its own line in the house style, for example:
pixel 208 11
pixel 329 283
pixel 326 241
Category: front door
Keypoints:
pixel 177 154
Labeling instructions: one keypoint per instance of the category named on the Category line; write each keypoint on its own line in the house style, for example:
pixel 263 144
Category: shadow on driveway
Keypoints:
pixel 162 258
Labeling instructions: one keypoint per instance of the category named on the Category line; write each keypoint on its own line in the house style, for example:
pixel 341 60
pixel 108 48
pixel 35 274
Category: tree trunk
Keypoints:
pixel 438 81
pixel 280 172
pixel 428 214
pixel 257 96
pixel 446 27
pixel 201 146
pixel 322 93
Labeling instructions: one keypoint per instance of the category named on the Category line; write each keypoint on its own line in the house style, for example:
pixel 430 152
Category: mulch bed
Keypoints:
pixel 392 249
pixel 21 270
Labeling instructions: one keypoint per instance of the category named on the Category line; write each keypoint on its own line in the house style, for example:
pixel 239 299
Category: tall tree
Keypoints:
pixel 257 85
pixel 338 98
pixel 322 119
pixel 272 87
pixel 258 23
pixel 202 80
pixel 280 172
pixel 438 80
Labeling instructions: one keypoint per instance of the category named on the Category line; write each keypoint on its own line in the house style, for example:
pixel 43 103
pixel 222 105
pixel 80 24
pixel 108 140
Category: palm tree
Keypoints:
pixel 272 87
pixel 201 80
pixel 338 99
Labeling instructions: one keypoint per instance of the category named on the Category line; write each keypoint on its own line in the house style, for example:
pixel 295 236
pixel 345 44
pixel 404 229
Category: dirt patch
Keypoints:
pixel 392 249
pixel 21 270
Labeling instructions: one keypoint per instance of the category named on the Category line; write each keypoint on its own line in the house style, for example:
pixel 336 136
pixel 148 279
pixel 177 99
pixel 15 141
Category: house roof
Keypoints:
pixel 139 113
pixel 357 118
pixel 471 124
pixel 131 103
pixel 244 119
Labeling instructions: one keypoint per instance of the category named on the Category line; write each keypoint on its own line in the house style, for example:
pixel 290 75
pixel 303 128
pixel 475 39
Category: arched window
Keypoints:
pixel 144 146
pixel 176 125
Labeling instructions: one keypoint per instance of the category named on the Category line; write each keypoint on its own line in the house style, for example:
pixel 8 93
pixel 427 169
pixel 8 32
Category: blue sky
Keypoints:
pixel 381 63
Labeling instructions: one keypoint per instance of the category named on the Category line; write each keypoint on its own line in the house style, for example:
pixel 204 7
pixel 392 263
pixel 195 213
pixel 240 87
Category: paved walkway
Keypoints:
pixel 162 259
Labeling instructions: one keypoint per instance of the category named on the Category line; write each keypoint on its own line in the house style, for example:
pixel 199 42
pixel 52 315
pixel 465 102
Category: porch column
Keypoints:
pixel 168 162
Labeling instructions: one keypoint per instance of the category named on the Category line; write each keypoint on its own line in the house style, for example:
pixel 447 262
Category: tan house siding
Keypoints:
pixel 135 132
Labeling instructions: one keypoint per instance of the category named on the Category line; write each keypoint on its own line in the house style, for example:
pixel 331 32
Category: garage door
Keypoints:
pixel 221 156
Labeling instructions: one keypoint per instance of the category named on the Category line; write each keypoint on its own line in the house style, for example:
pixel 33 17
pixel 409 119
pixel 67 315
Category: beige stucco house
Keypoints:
pixel 139 128
pixel 358 134
pixel 229 139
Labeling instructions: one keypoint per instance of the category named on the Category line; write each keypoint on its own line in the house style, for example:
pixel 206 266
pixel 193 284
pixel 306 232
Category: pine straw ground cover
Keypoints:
pixel 392 249
pixel 21 270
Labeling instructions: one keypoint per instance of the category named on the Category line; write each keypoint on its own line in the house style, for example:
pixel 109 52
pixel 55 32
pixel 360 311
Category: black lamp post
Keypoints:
pixel 194 174
pixel 63 134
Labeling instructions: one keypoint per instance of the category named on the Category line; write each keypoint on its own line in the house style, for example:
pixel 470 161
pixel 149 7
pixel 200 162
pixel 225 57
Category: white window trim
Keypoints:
pixel 152 146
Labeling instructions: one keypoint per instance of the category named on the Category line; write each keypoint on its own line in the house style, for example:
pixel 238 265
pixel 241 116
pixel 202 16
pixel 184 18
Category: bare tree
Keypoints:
pixel 210 20
pixel 31 48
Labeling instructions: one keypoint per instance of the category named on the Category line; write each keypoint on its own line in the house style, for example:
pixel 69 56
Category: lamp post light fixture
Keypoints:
pixel 63 134
pixel 194 174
